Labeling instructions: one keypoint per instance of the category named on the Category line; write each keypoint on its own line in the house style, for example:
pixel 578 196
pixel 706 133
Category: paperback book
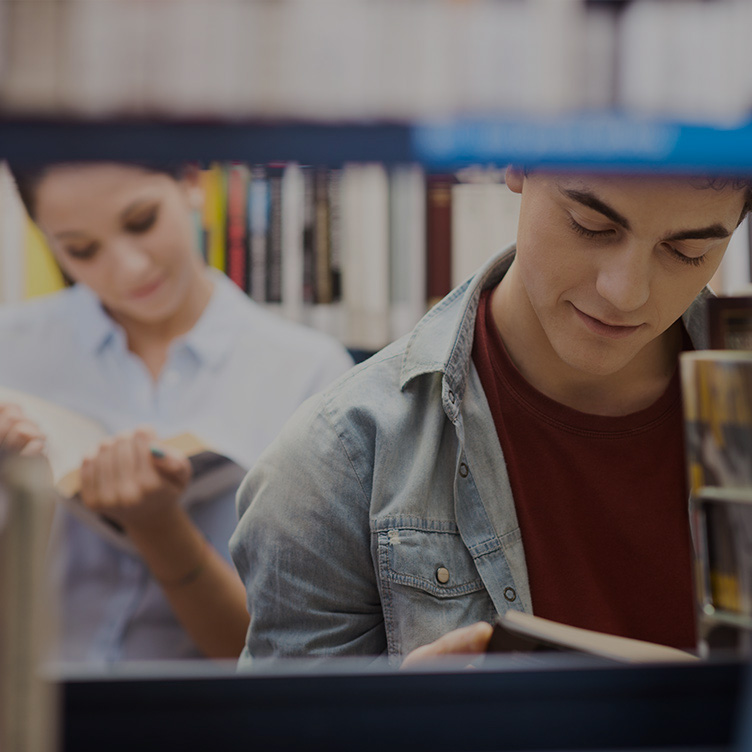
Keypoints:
pixel 71 436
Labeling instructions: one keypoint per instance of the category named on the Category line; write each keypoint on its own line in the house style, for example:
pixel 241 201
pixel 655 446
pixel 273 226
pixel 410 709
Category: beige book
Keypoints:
pixel 29 704
pixel 518 631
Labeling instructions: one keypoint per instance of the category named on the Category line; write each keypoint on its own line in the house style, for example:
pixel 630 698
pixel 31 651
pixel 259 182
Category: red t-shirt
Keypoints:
pixel 601 502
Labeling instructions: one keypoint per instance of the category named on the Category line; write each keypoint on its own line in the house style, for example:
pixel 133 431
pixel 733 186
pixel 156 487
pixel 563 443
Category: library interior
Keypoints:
pixel 376 374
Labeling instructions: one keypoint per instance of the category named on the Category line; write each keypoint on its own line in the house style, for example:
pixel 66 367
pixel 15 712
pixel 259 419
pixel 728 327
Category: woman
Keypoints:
pixel 150 342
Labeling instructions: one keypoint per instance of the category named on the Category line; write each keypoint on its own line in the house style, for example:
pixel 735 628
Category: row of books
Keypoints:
pixel 717 398
pixel 356 59
pixel 359 251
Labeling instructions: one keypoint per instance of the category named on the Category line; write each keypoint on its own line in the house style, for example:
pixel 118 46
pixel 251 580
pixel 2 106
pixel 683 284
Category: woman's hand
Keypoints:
pixel 18 433
pixel 132 481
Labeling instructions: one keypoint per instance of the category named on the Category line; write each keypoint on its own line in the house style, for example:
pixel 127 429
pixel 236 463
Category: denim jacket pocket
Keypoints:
pixel 429 586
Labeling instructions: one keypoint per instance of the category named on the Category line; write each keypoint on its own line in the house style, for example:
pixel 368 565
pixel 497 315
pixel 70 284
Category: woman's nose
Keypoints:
pixel 130 259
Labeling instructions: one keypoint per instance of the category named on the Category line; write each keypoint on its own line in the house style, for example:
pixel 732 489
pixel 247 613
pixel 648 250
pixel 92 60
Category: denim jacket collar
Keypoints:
pixel 443 339
pixel 437 345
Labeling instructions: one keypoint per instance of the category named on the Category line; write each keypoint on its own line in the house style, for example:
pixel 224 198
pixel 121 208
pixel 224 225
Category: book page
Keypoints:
pixel 70 435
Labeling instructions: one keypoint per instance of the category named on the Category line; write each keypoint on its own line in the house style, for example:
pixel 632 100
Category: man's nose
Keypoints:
pixel 624 277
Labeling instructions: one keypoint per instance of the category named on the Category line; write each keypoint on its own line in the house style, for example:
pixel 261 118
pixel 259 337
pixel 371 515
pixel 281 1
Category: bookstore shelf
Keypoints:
pixel 601 141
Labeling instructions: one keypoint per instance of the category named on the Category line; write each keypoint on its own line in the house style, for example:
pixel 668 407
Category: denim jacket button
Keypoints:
pixel 464 470
pixel 442 575
pixel 510 594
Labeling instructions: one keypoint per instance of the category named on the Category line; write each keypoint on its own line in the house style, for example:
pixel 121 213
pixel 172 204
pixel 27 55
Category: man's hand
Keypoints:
pixel 18 433
pixel 131 482
pixel 471 640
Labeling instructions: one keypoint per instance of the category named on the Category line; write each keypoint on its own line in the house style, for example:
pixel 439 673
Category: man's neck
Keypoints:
pixel 634 387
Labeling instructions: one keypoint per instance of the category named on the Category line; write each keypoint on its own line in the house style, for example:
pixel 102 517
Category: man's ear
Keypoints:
pixel 514 178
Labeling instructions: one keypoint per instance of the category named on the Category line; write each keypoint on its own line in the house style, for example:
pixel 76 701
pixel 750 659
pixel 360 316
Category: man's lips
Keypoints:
pixel 604 329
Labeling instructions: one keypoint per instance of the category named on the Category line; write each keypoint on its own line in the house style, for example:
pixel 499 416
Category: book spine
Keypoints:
pixel 438 237
pixel 258 221
pixel 407 227
pixel 365 233
pixel 484 220
pixel 293 187
pixel 335 232
pixel 322 252
pixel 309 237
pixel 215 208
pixel 12 281
pixel 237 225
pixel 273 294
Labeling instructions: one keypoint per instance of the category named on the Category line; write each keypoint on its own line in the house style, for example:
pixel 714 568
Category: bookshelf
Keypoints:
pixel 609 141
pixel 595 85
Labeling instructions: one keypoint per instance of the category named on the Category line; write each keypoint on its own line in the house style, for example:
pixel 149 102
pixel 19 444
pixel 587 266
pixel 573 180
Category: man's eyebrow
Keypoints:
pixel 702 233
pixel 593 202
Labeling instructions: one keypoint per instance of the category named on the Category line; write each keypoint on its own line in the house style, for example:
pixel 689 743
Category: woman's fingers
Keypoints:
pixel 126 481
pixel 17 432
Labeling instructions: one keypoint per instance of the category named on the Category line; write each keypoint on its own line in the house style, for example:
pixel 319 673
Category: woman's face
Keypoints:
pixel 124 232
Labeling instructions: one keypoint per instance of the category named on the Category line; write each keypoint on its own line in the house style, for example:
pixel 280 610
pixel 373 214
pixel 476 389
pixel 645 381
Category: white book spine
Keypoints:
pixel 12 240
pixel 484 220
pixel 407 222
pixel 31 56
pixel 734 275
pixel 365 255
pixel 293 193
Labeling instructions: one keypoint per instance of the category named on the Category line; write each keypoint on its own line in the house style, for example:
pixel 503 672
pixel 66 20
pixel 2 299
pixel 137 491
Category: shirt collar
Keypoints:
pixel 94 328
pixel 210 340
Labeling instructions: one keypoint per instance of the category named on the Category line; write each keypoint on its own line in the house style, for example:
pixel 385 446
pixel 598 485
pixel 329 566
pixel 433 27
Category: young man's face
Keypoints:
pixel 609 263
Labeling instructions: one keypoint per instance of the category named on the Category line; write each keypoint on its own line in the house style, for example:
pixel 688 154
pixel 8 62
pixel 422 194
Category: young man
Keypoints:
pixel 521 449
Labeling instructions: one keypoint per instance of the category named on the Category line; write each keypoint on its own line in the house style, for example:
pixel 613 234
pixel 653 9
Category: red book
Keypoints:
pixel 237 226
pixel 438 237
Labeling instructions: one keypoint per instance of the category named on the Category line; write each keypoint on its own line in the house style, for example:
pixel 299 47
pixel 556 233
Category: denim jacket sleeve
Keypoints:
pixel 310 592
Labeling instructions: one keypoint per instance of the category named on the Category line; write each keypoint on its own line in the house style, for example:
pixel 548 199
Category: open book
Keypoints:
pixel 71 436
pixel 517 631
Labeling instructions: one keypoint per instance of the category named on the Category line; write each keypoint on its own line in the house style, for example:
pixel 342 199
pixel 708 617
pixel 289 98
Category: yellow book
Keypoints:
pixel 215 216
pixel 42 273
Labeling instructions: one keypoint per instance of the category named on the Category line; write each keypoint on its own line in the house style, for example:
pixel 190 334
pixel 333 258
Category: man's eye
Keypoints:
pixel 579 229
pixel 143 223
pixel 689 260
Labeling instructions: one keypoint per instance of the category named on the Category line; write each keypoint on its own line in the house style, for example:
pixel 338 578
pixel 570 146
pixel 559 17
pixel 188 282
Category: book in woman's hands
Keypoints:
pixel 72 436
pixel 520 632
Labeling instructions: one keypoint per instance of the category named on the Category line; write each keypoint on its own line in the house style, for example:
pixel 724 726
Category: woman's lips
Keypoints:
pixel 146 290
pixel 613 331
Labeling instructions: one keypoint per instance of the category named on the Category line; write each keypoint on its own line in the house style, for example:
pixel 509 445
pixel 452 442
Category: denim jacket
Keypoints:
pixel 382 517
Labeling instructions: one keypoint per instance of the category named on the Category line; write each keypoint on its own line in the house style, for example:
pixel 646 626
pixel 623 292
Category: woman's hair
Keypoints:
pixel 28 178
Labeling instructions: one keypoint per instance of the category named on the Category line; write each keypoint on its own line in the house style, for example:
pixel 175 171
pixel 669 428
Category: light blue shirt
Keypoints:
pixel 233 380
pixel 382 516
